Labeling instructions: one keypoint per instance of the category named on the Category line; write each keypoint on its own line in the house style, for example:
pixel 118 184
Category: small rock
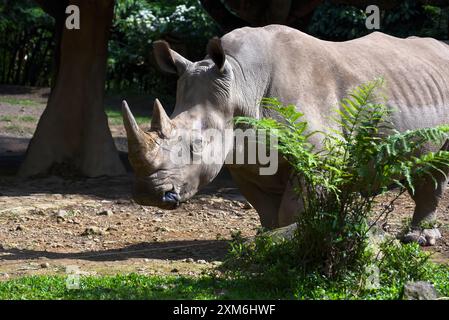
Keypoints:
pixel 174 270
pixel 38 212
pixel 420 290
pixel 237 213
pixel 202 261
pixel 106 213
pixel 45 265
pixel 247 205
pixel 188 260
pixel 20 228
pixel 162 229
pixel 61 215
pixel 93 230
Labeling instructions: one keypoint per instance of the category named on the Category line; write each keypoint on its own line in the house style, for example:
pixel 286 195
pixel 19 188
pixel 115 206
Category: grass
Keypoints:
pixel 136 287
pixel 10 118
pixel 13 128
pixel 115 117
pixel 6 118
pixel 20 102
pixel 27 119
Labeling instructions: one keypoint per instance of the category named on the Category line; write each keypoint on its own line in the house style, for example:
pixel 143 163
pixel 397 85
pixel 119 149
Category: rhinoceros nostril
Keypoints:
pixel 171 197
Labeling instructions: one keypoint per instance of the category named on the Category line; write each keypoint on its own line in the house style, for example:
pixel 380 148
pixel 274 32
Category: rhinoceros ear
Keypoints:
pixel 168 60
pixel 216 53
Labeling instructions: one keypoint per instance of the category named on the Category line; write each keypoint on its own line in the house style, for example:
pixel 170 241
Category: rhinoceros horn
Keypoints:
pixel 160 121
pixel 141 145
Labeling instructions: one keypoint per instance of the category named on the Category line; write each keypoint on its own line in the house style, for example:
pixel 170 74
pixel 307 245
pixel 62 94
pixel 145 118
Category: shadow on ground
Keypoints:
pixel 209 250
pixel 12 154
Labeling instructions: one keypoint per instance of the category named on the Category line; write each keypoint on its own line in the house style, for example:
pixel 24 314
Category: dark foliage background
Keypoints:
pixel 27 37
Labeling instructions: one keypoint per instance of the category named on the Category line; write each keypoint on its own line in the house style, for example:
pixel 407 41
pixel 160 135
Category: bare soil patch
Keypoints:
pixel 93 224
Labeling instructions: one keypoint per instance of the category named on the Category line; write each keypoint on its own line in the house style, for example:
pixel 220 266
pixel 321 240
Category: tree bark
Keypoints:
pixel 73 131
pixel 225 19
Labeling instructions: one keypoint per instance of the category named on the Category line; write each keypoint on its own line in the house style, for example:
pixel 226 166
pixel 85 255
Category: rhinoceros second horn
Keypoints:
pixel 160 121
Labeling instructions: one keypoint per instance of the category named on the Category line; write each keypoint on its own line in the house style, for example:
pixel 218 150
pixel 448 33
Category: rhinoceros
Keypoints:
pixel 249 64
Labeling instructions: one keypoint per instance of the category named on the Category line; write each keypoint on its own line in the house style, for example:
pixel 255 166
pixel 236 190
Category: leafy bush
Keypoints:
pixel 137 24
pixel 273 265
pixel 332 21
pixel 26 43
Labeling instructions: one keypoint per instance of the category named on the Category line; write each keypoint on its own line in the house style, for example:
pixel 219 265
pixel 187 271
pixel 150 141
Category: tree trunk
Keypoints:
pixel 73 130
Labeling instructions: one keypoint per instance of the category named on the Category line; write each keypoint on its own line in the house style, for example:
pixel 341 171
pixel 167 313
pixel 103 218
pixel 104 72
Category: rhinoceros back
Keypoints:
pixel 315 74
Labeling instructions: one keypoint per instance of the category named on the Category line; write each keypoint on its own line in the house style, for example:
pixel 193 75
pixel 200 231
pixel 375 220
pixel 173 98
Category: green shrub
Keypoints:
pixel 338 22
pixel 137 24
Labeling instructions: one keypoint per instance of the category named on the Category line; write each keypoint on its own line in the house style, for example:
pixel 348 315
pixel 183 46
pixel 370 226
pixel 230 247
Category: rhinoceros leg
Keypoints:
pixel 290 206
pixel 266 204
pixel 426 197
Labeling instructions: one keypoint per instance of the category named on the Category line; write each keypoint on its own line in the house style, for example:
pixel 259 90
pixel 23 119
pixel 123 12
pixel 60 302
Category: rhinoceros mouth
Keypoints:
pixel 159 202
pixel 171 197
pixel 157 193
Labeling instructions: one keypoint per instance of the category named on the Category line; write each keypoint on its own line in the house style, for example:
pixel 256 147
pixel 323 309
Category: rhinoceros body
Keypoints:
pixel 249 64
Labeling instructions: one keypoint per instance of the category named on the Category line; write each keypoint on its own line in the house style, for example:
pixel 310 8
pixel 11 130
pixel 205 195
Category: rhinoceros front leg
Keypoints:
pixel 266 204
pixel 290 207
pixel 423 229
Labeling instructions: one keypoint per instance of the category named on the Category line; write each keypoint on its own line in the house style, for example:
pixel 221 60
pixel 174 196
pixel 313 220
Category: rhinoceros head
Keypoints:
pixel 169 160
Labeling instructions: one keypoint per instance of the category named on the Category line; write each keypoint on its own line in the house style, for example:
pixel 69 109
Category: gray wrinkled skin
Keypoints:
pixel 276 61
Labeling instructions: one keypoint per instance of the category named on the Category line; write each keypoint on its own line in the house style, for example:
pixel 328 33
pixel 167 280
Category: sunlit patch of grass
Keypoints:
pixel 27 118
pixel 13 128
pixel 136 287
pixel 20 102
pixel 115 117
pixel 11 118
pixel 6 118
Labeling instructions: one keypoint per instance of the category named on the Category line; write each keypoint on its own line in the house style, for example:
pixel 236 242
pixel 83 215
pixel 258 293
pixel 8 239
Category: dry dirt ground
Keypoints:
pixel 50 224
